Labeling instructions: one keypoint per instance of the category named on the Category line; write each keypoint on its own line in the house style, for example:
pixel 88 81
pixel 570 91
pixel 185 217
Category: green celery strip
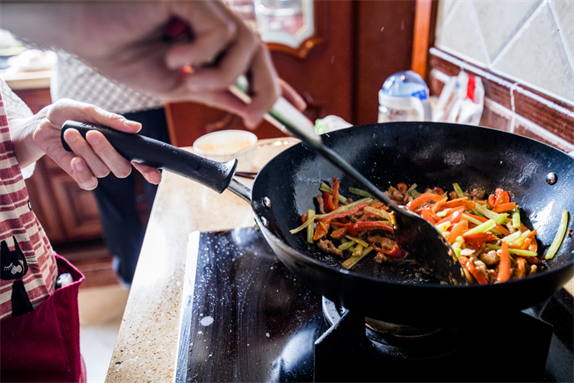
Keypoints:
pixel 357 251
pixel 413 191
pixel 512 237
pixel 346 207
pixel 471 219
pixel 516 218
pixel 350 262
pixel 326 188
pixel 304 225
pixel 443 213
pixel 482 228
pixel 379 213
pixel 442 227
pixel 358 240
pixel 485 212
pixel 560 234
pixel 524 253
pixel 360 192
pixel 458 190
pixel 346 245
pixel 310 228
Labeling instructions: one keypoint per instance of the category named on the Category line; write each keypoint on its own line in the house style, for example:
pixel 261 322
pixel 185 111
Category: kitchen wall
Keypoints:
pixel 525 45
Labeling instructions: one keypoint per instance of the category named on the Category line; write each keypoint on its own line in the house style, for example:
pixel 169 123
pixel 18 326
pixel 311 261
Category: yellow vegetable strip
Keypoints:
pixel 349 263
pixel 560 234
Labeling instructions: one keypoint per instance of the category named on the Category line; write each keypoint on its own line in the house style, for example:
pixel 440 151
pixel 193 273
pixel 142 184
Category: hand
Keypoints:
pixel 123 40
pixel 92 158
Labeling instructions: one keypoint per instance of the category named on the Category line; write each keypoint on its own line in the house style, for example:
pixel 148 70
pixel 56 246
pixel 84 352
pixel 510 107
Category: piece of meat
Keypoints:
pixel 328 247
pixel 383 242
pixel 480 266
pixel 477 194
pixel 491 258
pixel 510 227
pixel 520 271
pixel 321 204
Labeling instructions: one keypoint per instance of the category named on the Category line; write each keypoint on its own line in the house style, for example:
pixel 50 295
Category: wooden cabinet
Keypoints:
pixel 67 212
pixel 338 69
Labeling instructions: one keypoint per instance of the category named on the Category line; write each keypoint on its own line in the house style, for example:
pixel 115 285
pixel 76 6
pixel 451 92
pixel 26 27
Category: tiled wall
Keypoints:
pixel 523 51
pixel 531 41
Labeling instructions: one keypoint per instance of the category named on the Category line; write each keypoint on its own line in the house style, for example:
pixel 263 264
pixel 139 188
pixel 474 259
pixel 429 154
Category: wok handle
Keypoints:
pixel 147 151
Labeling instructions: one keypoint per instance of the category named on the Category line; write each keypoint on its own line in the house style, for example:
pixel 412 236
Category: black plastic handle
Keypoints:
pixel 145 150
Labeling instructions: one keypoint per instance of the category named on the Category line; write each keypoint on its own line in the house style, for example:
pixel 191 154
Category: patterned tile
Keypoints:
pixel 536 56
pixel 499 20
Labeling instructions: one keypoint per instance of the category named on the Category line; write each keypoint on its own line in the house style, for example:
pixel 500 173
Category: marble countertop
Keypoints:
pixel 146 347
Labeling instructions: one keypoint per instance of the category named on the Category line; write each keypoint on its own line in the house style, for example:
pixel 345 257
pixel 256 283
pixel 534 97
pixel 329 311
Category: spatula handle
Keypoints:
pixel 147 151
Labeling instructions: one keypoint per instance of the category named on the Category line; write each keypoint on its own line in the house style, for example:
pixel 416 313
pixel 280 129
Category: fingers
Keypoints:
pixel 82 174
pixel 66 109
pixel 265 89
pixel 292 96
pixel 214 30
pixel 151 174
pixel 97 154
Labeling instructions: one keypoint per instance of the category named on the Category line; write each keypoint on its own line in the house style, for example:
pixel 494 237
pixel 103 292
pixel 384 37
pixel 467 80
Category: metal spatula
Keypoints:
pixel 413 233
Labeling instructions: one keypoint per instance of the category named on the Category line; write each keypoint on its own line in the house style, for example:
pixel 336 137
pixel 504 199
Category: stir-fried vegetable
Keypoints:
pixel 486 232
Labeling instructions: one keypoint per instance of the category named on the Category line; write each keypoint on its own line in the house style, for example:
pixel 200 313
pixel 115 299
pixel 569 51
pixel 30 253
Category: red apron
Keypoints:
pixel 44 345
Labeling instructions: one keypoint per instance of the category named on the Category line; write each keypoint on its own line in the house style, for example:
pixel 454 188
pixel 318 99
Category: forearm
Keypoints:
pixel 22 134
pixel 47 23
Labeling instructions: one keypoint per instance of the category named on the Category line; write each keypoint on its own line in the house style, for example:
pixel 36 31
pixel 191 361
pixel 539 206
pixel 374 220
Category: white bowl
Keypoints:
pixel 224 145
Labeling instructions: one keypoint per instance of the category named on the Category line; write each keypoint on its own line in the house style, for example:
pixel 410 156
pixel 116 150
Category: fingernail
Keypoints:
pixel 79 165
pixel 94 138
pixel 71 137
pixel 132 124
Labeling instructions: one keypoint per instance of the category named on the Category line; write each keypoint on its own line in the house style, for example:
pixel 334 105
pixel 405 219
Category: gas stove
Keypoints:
pixel 246 318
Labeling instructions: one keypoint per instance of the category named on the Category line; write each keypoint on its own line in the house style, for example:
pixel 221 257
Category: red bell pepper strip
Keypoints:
pixel 395 252
pixel 340 233
pixel 304 217
pixel 426 214
pixel 501 197
pixel 344 214
pixel 321 231
pixel 503 207
pixel 336 184
pixel 328 200
pixel 457 231
pixel 455 216
pixel 477 239
pixel 468 205
pixel 426 197
pixel 369 225
pixel 473 270
pixel 504 265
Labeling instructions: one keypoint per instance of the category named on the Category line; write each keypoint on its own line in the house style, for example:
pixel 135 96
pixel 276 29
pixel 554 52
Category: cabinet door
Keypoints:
pixel 312 48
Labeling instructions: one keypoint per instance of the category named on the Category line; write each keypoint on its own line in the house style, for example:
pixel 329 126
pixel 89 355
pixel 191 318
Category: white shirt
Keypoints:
pixel 75 80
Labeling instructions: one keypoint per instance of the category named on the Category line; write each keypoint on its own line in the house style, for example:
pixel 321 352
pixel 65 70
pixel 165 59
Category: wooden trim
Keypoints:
pixel 551 117
pixel 424 34
pixel 301 52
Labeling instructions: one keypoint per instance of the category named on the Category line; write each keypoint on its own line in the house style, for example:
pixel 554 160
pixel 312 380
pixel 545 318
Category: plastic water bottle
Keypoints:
pixel 404 97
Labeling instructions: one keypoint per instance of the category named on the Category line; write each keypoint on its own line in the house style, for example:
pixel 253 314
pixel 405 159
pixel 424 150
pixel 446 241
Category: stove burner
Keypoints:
pixel 265 325
pixel 379 350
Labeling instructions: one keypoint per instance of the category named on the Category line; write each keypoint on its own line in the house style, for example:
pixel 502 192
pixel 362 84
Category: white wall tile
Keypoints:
pixel 536 56
pixel 461 33
pixel 499 20
pixel 565 14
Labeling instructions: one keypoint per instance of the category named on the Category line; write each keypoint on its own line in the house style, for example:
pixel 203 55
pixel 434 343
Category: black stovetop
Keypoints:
pixel 246 318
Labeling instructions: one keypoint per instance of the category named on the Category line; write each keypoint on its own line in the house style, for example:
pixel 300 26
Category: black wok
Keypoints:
pixel 428 154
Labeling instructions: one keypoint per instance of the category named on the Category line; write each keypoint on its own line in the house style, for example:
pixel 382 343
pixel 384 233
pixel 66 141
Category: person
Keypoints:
pixel 122 226
pixel 125 42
